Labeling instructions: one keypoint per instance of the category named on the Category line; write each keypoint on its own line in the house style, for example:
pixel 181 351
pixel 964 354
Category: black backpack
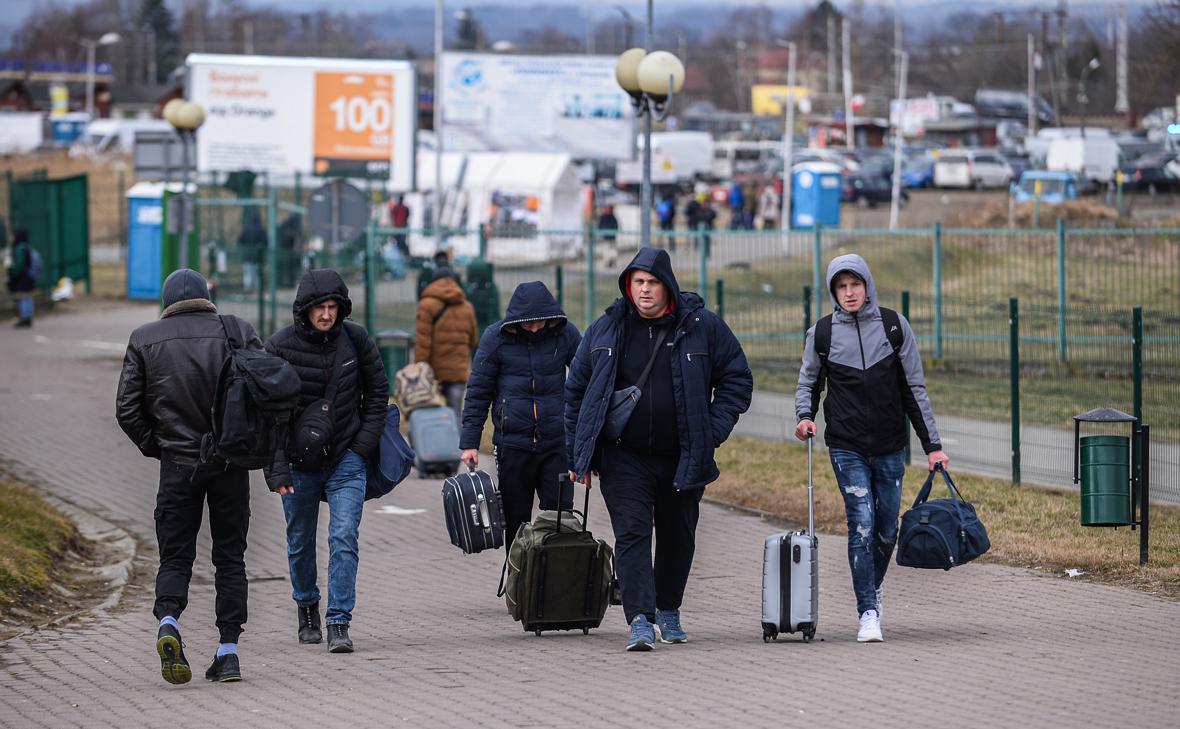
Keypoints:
pixel 257 392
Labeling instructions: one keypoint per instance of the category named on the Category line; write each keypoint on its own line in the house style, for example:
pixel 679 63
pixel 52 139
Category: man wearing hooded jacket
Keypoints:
pixel 164 404
pixel 655 473
pixel 870 390
pixel 519 372
pixel 310 345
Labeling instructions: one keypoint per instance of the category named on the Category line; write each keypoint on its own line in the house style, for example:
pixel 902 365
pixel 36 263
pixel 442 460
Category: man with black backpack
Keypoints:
pixel 23 273
pixel 165 404
pixel 868 358
pixel 342 409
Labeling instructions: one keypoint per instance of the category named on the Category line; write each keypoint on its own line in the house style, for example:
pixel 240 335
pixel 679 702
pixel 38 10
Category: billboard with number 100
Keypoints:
pixel 316 116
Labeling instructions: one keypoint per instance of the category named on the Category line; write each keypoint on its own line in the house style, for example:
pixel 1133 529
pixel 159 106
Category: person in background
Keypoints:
pixel 446 331
pixel 21 283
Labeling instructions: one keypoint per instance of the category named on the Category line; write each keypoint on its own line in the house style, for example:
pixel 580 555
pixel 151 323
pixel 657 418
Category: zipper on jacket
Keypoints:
pixel 864 375
pixel 533 388
pixel 651 410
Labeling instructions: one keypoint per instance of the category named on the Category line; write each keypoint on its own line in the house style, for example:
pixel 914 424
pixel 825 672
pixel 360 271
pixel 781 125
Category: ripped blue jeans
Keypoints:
pixel 871 486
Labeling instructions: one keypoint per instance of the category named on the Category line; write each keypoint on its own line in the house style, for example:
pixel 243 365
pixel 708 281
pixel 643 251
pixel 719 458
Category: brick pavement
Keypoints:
pixel 984 646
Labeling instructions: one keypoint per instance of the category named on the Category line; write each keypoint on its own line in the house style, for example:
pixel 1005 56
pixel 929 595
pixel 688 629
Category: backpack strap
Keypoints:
pixel 823 339
pixel 438 316
pixel 234 336
pixel 891 321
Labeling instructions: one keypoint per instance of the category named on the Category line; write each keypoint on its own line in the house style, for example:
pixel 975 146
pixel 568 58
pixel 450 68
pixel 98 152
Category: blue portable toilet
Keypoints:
pixel 67 128
pixel 815 195
pixel 151 249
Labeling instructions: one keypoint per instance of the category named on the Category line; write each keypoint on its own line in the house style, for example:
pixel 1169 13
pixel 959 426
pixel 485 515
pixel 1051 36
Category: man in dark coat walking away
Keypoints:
pixel 164 404
pixel 655 472
pixel 519 372
pixel 310 344
pixel 21 282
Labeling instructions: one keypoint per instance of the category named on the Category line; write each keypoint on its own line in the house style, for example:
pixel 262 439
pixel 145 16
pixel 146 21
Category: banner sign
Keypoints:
pixel 318 116
pixel 510 103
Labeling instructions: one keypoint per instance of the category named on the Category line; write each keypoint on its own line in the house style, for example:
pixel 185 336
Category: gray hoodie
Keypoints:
pixel 868 393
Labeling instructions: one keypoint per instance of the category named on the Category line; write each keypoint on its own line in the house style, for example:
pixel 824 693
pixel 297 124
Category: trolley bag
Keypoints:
pixel 557 575
pixel 434 435
pixel 942 533
pixel 474 512
pixel 790 575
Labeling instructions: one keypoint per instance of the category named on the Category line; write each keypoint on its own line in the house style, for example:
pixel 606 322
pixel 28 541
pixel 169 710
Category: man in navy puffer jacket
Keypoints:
pixel 519 372
pixel 655 472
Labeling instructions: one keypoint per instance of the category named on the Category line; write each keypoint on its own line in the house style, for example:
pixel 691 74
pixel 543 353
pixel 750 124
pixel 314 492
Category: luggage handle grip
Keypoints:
pixel 480 514
pixel 562 479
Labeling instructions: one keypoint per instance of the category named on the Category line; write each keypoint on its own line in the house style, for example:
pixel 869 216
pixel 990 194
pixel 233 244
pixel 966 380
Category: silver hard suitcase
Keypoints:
pixel 790 575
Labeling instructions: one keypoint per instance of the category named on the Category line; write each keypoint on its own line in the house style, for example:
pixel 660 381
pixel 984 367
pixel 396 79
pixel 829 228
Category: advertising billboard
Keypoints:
pixel 318 116
pixel 566 104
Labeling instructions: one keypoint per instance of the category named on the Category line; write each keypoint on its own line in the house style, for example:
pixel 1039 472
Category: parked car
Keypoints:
pixel 1151 172
pixel 972 168
pixel 869 190
pixel 918 171
pixel 1056 187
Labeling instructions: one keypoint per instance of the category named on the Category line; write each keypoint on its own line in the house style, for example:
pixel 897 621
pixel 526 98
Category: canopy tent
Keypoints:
pixel 528 204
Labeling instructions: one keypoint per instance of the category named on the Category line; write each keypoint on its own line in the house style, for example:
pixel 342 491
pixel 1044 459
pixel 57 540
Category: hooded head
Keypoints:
pixel 317 286
pixel 657 262
pixel 530 302
pixel 854 264
pixel 443 272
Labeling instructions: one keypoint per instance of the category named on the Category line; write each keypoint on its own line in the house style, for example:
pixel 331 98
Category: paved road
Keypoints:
pixel 986 645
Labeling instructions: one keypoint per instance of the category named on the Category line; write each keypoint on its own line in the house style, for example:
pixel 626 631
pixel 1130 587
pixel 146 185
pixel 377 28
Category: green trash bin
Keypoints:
pixel 1106 480
pixel 394 345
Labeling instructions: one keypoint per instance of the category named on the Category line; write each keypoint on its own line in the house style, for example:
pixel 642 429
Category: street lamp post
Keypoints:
pixel 186 117
pixel 105 40
pixel 788 137
pixel 1082 98
pixel 895 199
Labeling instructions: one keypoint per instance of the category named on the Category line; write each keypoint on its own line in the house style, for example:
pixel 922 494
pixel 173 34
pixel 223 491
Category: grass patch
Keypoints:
pixel 1028 527
pixel 33 535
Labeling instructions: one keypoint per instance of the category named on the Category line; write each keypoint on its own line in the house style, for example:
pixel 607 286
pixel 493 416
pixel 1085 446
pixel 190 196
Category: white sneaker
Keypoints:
pixel 870 628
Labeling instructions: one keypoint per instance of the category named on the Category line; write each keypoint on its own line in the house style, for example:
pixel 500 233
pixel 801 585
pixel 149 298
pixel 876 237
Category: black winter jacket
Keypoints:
pixel 711 380
pixel 520 375
pixel 166 390
pixel 362 393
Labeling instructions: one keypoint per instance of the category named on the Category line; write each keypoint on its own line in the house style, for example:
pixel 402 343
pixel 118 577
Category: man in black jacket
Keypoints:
pixel 519 372
pixel 655 472
pixel 164 404
pixel 310 345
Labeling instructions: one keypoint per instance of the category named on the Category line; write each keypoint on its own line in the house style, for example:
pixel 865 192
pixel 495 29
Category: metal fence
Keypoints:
pixel 1075 292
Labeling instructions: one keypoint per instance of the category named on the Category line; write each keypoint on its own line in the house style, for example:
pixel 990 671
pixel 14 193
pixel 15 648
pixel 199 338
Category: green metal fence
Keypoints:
pixel 1076 290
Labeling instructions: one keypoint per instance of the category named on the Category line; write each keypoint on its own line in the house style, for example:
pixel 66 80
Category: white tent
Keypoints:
pixel 529 204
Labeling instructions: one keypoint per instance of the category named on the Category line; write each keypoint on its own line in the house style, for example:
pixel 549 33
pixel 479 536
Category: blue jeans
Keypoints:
pixel 344 487
pixel 24 306
pixel 871 486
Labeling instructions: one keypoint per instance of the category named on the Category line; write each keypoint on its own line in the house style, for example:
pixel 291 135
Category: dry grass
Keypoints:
pixel 1028 527
pixel 32 537
pixel 994 214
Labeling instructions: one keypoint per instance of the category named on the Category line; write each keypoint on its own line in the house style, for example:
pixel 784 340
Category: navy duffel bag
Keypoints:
pixel 942 533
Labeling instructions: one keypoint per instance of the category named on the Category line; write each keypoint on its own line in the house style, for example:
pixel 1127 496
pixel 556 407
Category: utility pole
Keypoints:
pixel 1122 104
pixel 438 122
pixel 831 54
pixel 895 200
pixel 846 43
pixel 1032 85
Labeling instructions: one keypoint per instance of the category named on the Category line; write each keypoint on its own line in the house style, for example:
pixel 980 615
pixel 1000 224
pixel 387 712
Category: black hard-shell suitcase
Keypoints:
pixel 790 575
pixel 474 511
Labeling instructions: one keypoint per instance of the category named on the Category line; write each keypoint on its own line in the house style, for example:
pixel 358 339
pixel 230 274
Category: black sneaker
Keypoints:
pixel 309 624
pixel 224 669
pixel 338 640
pixel 173 665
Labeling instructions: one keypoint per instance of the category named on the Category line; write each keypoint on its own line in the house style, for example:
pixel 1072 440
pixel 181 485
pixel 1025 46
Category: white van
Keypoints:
pixel 690 154
pixel 1095 158
pixel 103 135
pixel 733 157
pixel 971 168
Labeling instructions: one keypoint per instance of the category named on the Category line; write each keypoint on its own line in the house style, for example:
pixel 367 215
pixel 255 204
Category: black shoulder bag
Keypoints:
pixel 311 440
pixel 623 402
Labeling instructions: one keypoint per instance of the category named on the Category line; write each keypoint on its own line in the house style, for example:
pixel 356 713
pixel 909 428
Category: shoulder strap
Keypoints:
pixel 652 360
pixel 823 338
pixel 893 331
pixel 441 311
pixel 234 336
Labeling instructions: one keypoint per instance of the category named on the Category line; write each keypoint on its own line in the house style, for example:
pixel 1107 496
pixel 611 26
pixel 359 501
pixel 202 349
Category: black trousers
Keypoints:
pixel 639 496
pixel 180 504
pixel 525 473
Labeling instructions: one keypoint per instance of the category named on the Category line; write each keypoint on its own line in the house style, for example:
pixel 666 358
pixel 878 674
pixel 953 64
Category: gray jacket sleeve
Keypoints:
pixel 809 389
pixel 913 395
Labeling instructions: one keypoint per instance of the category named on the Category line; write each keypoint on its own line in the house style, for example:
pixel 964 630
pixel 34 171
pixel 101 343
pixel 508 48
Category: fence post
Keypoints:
pixel 721 298
pixel 1014 377
pixel 122 203
pixel 589 277
pixel 817 283
pixel 272 255
pixel 560 274
pixel 483 242
pixel 1060 290
pixel 905 312
pixel 1137 363
pixel 370 278
pixel 937 289
pixel 298 188
pixel 704 263
pixel 806 309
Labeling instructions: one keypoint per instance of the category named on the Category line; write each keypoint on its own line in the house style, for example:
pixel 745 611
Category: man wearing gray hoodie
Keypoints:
pixel 868 358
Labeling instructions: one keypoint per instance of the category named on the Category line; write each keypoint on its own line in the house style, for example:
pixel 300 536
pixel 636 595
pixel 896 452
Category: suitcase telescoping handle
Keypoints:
pixel 562 480
pixel 810 489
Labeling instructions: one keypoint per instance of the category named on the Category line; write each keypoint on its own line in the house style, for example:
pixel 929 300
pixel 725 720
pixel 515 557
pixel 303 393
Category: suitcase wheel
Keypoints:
pixel 537 633
pixel 808 635
pixel 768 635
pixel 585 631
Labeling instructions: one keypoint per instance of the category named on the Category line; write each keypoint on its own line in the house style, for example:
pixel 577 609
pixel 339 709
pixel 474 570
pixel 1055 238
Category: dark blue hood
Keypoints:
pixel 182 285
pixel 531 301
pixel 657 262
